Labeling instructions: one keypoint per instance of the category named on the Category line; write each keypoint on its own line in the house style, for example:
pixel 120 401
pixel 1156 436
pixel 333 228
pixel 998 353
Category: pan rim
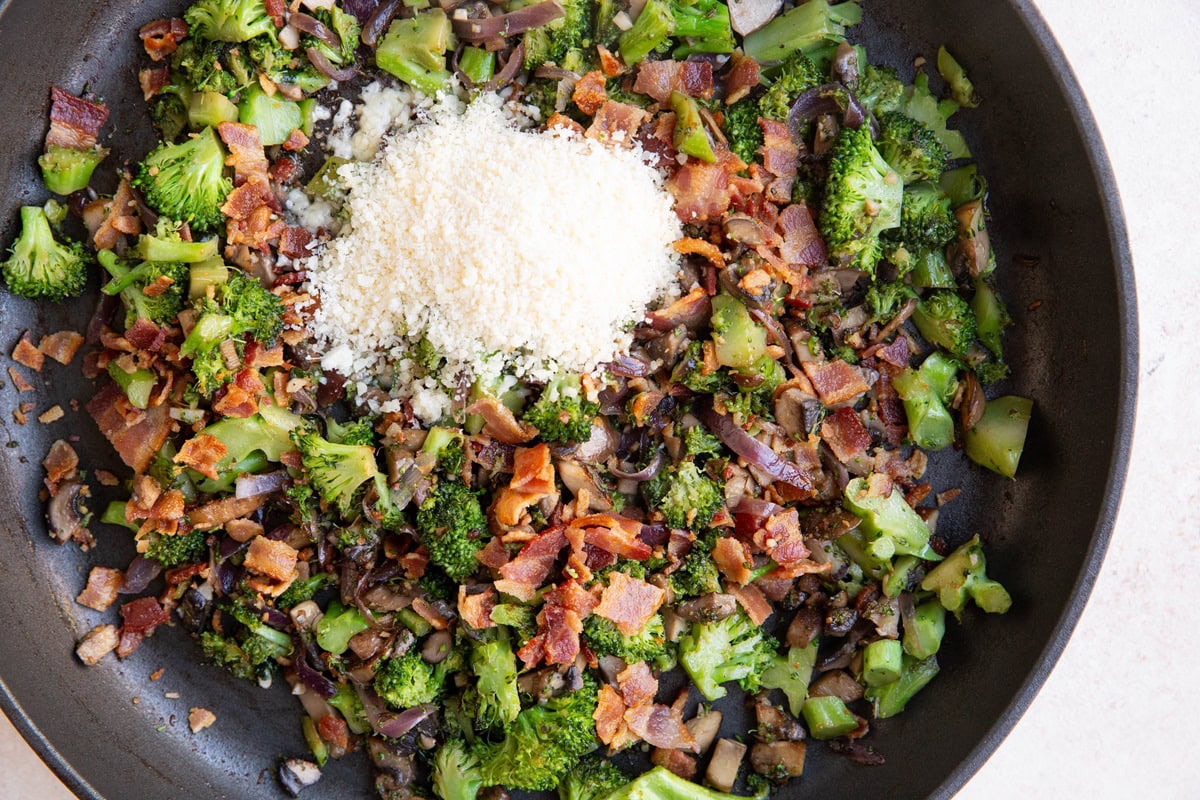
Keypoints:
pixel 1106 512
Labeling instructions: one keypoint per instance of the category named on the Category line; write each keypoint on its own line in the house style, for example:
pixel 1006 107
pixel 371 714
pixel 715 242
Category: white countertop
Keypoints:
pixel 1113 720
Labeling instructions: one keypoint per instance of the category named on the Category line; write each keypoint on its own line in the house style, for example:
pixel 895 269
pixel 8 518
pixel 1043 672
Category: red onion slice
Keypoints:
pixel 315 28
pixel 325 66
pixel 504 25
pixel 509 71
pixel 379 21
pixel 255 485
pixel 751 449
pixel 628 366
pixel 138 575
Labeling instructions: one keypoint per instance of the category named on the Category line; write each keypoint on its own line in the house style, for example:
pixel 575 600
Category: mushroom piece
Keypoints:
pixel 779 759
pixel 601 444
pixel 578 478
pixel 66 513
pixel 296 774
pixel 797 411
pixel 726 761
pixel 709 608
pixel 775 724
pixel 743 228
pixel 437 647
pixel 747 16
pixel 704 729
pixel 805 627
pixel 836 683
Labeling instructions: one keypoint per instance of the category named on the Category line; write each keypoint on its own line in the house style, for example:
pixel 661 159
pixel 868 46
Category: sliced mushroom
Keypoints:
pixel 743 228
pixel 437 647
pixel 747 16
pixel 600 445
pixel 797 411
pixel 704 729
pixel 805 627
pixel 836 683
pixel 709 608
pixel 779 760
pixel 67 512
pixel 726 761
pixel 296 774
pixel 828 525
pixel 578 478
pixel 775 724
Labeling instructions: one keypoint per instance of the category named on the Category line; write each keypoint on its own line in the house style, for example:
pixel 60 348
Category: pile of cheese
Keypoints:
pixel 509 251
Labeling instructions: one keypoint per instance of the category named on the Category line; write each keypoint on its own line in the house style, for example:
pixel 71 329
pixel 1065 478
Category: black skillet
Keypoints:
pixel 1073 349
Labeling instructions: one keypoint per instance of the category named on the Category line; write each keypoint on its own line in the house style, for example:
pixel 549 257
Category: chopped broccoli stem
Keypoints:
pixel 348 702
pixel 168 247
pixel 946 320
pixel 991 317
pixel 337 626
pixel 312 738
pixel 210 109
pixel 808 27
pixel 739 340
pixel 660 783
pixel 923 635
pixel 414 50
pixel 997 440
pixel 66 170
pixel 964 575
pixel 137 385
pixel 414 622
pixel 828 718
pixel 477 64
pixel 39 266
pixel 690 136
pixel 791 674
pixel 890 526
pixel 961 88
pixel 963 184
pixel 924 392
pixel 882 660
pixel 704 27
pixel 650 31
pixel 891 699
pixel 931 270
pixel 902 576
pixel 275 117
pixel 186 181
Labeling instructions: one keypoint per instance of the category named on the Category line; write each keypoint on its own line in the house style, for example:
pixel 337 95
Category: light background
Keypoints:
pixel 1115 719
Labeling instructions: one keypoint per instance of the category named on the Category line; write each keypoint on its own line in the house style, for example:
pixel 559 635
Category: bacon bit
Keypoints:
pixel 60 463
pixel 895 353
pixel 781 538
pixel 677 761
pixel 532 565
pixel 19 381
pixel 52 414
pixel 835 381
pixel 494 554
pixel 500 423
pixel 610 65
pixel 743 75
pixel 532 470
pixel 751 599
pixel 130 641
pixel 609 714
pixel 201 718
pixel 658 79
pixel 202 453
pixel 218 512
pixel 27 355
pixel 161 284
pixel 476 609
pixel 616 122
pixel 629 603
pixel 61 346
pixel 733 559
pixel 178 575
pixel 563 627
pixel 135 437
pixel 271 558
pixel 296 141
pixel 243 530
pixel 97 643
pixel 689 245
pixel 658 726
pixel 637 684
pixel 235 402
pixel 162 37
pixel 106 478
pixel 658 142
pixel 284 170
pixel 779 150
pixel 152 80
pixel 510 504
pixel 145 335
pixel 246 200
pixel 103 586
pixel 844 433
pixel 334 730
pixel 294 242
pixel 571 595
pixel 558 120
pixel 121 220
pixel 74 122
pixel 143 615
pixel 703 191
pixel 589 92
pixel 430 614
pixel 258 357
pixel 246 154
pixel 168 507
pixel 615 534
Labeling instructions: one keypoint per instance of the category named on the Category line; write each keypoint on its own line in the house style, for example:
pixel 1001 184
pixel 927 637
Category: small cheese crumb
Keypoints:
pixel 200 718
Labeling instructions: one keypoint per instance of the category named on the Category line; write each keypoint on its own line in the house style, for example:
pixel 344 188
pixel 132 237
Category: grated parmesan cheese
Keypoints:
pixel 531 253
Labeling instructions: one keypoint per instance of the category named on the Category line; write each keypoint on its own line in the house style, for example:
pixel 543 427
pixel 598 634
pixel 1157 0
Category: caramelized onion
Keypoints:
pixel 754 451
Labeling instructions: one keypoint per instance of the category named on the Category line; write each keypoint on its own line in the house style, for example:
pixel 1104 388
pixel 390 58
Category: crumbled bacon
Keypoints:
pixel 802 243
pixel 629 603
pixel 143 615
pixel 97 643
pixel 532 565
pixel 703 191
pixel 20 383
pixel 531 652
pixel 589 92
pixel 616 122
pixel 246 154
pixel 659 726
pixel 476 609
pixel 610 65
pixel 145 335
pixel 781 539
pixel 294 242
pixel 895 353
pixel 571 595
pixel 202 453
pixel 752 601
pixel 563 121
pixel 532 470
pixel 689 245
pixel 271 558
pixel 732 559
pixel 135 437
pixel 162 37
pixel 27 355
pixel 743 75
pixel 563 627
pixel 835 381
pixel 658 79
pixel 609 714
pixel 637 684
pixel 845 434
pixel 500 423
pixel 243 530
pixel 103 586
pixel 615 534
pixel 494 554
pixel 153 80
pixel 60 463
pixel 218 512
pixel 296 141
pixel 121 219
pixel 235 402
pixel 74 122
pixel 130 641
pixel 61 346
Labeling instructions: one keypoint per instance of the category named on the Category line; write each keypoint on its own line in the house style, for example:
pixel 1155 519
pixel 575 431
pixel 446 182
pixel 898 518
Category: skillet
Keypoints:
pixel 1073 350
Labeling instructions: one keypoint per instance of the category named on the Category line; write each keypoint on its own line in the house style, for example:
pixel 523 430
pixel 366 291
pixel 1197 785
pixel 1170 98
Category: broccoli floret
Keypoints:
pixel 660 783
pixel 229 20
pixel 704 27
pixel 991 372
pixel 946 320
pixel 337 470
pixel 879 89
pixel 911 148
pixel 301 591
pixel 883 300
pixel 574 31
pixel 809 27
pixel 230 655
pixel 169 114
pixel 691 371
pixel 796 75
pixel 685 496
pixel 284 67
pixel 731 649
pixel 446 445
pixel 862 200
pixel 408 680
pixel 544 742
pixel 562 413
pixel 197 67
pixel 186 181
pixel 414 50
pixel 926 222
pixel 39 266
pixel 495 667
pixel 130 283
pixel 456 771
pixel 698 442
pixel 648 644
pixel 741 129
pixel 449 524
pixel 240 308
pixel 66 170
pixel 593 778
pixel 890 526
pixel 698 574
pixel 522 620
pixel 342 23
pixel 359 431
pixel 171 551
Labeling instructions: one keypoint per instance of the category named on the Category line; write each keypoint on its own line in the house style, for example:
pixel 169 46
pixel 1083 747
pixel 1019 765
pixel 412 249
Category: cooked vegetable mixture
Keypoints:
pixel 485 597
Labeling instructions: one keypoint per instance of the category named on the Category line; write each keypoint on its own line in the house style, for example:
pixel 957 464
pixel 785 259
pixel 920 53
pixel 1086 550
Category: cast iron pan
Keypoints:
pixel 1053 197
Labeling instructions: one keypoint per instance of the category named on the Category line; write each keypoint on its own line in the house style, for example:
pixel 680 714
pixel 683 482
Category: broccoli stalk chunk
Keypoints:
pixel 66 170
pixel 890 526
pixel 961 88
pixel 495 667
pixel 963 575
pixel 946 320
pixel 648 644
pixel 337 626
pixel 186 181
pixel 414 50
pixel 445 445
pixel 562 413
pixel 739 342
pixel 229 20
pixel 731 649
pixel 662 784
pixel 923 634
pixel 997 440
pixel 690 137
pixel 863 198
pixel 137 385
pixel 912 149
pixel 808 27
pixel 890 699
pixel 828 718
pixel 408 680
pixel 338 470
pixel 925 391
pixel 544 743
pixel 165 244
pixel 131 284
pixel 39 266
pixel 274 116
pixel 593 778
pixel 791 674
pixel 456 771
pixel 449 524
pixel 650 31
pixel 704 27
pixel 991 317
pixel 686 497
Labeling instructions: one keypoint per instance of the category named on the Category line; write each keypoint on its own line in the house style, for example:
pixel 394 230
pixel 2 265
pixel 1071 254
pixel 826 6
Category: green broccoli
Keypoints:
pixel 879 89
pixel 660 783
pixel 544 743
pixel 926 222
pixel 284 67
pixel 229 654
pixel 648 644
pixel 791 674
pixel 337 626
pixel 796 75
pixel 39 266
pixel 810 27
pixel 408 680
pixel 703 26
pixel 997 440
pixel 449 524
pixel 337 470
pixel 456 771
pixel 863 197
pixel 925 391
pixel 698 574
pixel 911 148
pixel 66 170
pixel 495 667
pixel 166 244
pixel 730 649
pixel 130 283
pixel 650 32
pixel 345 26
pixel 551 43
pixel 741 129
pixel 240 308
pixel 690 371
pixel 890 526
pixel 991 316
pixel 229 20
pixel 302 591
pixel 251 651
pixel 883 300
pixel 414 50
pixel 738 340
pixel 171 551
pixel 946 320
pixel 446 445
pixel 890 699
pixel 359 431
pixel 186 181
pixel 686 497
pixel 197 66
pixel 961 88
pixel 593 778
pixel 169 114
pixel 562 413
pixel 699 443
pixel 963 575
